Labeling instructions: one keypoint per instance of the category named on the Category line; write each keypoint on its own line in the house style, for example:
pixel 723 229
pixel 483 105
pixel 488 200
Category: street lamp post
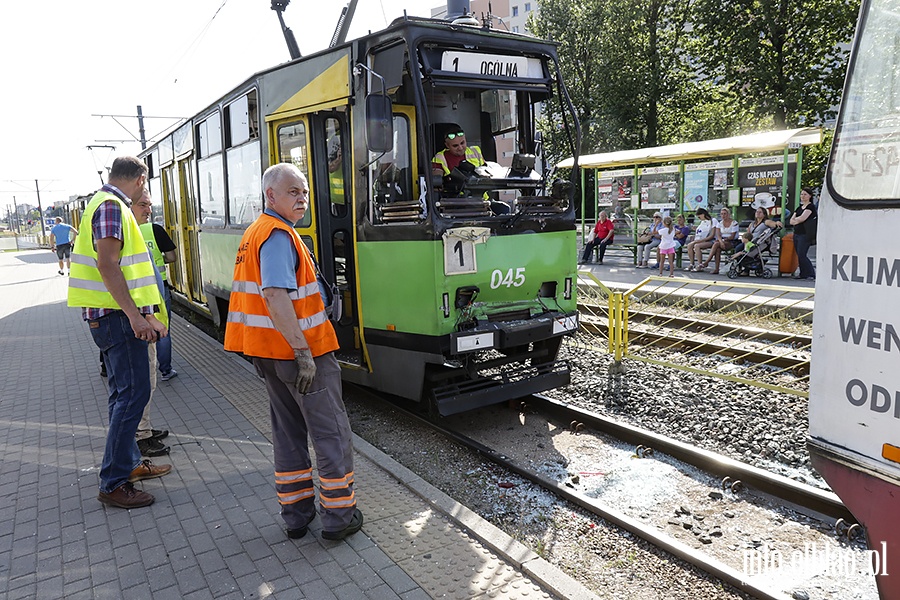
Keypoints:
pixel 40 212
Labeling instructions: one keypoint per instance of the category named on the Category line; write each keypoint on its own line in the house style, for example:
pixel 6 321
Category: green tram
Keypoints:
pixel 459 299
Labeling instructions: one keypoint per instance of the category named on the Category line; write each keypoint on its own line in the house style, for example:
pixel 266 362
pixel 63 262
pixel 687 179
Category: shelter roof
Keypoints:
pixel 741 144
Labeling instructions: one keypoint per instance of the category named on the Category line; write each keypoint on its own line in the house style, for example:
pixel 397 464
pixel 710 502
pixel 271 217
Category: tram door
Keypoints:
pixel 332 193
pixel 172 199
pixel 319 145
pixel 190 248
pixel 178 190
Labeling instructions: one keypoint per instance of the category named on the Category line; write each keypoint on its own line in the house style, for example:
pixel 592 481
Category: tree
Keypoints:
pixel 815 159
pixel 573 25
pixel 630 77
pixel 781 59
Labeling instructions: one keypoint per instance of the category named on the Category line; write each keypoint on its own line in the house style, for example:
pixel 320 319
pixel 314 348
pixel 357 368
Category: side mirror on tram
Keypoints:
pixel 379 123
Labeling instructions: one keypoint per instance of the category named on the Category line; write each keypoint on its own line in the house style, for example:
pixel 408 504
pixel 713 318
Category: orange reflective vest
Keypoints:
pixel 249 329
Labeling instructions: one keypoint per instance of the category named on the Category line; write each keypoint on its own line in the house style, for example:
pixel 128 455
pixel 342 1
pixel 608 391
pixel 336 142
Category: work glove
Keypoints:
pixel 306 370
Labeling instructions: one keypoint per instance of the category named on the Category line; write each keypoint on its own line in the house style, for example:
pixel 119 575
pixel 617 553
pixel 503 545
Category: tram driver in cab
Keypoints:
pixel 457 163
pixel 455 153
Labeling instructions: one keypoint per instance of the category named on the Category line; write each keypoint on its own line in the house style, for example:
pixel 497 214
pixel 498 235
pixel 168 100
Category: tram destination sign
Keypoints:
pixel 492 65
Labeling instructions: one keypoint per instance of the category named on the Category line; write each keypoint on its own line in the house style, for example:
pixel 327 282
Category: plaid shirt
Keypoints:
pixel 107 222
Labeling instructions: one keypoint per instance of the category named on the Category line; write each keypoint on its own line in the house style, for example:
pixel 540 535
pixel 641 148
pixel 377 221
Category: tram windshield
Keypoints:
pixel 500 174
pixel 487 92
pixel 865 161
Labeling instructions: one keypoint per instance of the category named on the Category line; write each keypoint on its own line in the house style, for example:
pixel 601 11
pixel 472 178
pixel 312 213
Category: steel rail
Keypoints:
pixel 704 326
pixel 714 328
pixel 744 335
pixel 650 534
pixel 797 493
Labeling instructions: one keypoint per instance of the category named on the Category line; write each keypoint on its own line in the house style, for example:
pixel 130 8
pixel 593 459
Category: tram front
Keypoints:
pixel 485 241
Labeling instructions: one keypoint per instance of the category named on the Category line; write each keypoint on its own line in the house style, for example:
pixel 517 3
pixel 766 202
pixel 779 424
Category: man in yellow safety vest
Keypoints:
pixel 455 151
pixel 113 279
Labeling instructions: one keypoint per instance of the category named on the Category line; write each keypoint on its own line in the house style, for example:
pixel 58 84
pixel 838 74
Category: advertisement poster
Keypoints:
pixel 604 192
pixel 696 188
pixel 659 187
pixel 720 179
pixel 614 187
pixel 761 181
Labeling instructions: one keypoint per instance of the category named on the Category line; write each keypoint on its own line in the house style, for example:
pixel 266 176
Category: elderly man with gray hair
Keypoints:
pixel 602 238
pixel 277 317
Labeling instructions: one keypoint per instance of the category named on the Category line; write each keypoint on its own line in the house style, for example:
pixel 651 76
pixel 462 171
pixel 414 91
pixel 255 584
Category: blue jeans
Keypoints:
pixel 128 368
pixel 801 245
pixel 164 345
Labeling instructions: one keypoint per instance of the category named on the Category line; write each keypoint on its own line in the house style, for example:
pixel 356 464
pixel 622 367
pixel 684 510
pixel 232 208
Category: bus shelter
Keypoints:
pixel 685 177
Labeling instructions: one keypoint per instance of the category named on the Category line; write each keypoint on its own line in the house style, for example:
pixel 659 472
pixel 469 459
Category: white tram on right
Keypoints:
pixel 854 401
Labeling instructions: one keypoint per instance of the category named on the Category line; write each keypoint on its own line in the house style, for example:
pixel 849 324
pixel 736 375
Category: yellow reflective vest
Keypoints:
pixel 150 239
pixel 86 287
pixel 336 185
pixel 473 155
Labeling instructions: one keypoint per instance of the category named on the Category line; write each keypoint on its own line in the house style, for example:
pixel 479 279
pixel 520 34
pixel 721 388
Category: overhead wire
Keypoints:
pixel 189 51
pixel 195 43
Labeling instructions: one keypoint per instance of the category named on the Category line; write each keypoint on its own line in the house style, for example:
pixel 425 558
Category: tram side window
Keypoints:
pixel 211 172
pixel 151 160
pixel 181 140
pixel 155 185
pixel 242 160
pixel 245 202
pixel 292 149
pixel 334 147
pixel 209 134
pixel 390 176
pixel 211 191
pixel 166 151
pixel 243 119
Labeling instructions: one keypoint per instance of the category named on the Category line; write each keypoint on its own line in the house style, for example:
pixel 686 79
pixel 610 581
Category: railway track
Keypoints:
pixel 738 474
pixel 737 478
pixel 759 346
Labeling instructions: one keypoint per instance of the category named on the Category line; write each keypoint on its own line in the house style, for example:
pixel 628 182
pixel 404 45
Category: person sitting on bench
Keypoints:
pixel 603 238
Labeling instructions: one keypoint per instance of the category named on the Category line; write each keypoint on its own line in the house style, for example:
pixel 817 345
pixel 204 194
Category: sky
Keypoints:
pixel 62 61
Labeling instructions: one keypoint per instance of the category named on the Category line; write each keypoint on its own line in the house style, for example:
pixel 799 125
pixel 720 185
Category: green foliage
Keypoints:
pixel 643 73
pixel 815 159
pixel 783 59
pixel 622 62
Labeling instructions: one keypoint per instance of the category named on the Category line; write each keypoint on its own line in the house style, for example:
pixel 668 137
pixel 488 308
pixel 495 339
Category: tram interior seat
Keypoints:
pixel 488 145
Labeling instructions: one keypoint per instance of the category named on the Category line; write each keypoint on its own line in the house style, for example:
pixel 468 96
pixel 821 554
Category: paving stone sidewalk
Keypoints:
pixel 214 530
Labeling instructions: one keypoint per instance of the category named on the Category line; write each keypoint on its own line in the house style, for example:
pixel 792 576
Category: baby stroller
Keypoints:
pixel 752 260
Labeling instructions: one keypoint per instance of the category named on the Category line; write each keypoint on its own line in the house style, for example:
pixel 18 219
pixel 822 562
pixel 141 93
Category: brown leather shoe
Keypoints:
pixel 125 496
pixel 147 470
